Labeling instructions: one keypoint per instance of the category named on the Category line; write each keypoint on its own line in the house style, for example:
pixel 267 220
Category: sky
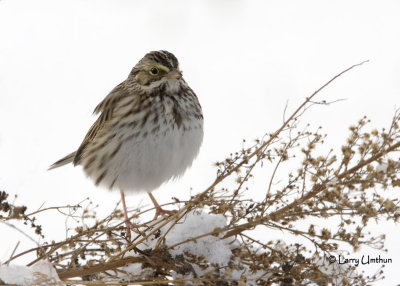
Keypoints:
pixel 244 59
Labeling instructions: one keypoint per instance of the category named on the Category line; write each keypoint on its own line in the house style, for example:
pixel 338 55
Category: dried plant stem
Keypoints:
pixel 83 271
pixel 155 282
pixel 321 187
pixel 12 254
pixel 51 208
pixel 318 188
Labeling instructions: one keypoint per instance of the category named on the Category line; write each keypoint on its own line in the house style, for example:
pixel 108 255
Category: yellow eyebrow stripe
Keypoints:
pixel 159 67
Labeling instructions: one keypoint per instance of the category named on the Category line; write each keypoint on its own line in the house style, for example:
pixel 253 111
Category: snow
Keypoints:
pixel 216 251
pixel 41 273
pixel 213 249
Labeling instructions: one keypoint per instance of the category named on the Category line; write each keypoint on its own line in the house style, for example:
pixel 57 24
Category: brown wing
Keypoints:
pixel 105 108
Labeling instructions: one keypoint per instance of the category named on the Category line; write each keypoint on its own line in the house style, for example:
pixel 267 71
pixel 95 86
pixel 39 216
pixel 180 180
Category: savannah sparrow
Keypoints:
pixel 149 130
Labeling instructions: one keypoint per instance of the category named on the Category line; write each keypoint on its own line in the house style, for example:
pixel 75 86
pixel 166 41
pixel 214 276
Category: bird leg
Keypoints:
pixel 128 224
pixel 159 210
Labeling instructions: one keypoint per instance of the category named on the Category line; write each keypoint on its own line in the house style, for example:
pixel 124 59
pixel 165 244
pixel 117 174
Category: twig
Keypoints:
pixel 154 282
pixel 12 254
pixel 101 267
pixel 318 188
pixel 50 208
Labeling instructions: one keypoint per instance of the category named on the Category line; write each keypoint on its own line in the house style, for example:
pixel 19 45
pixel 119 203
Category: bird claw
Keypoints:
pixel 160 212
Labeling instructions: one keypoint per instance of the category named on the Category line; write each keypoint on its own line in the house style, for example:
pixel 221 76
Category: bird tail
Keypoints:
pixel 64 161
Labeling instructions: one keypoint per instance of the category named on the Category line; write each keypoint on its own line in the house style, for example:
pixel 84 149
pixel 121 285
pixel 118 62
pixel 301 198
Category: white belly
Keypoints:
pixel 143 164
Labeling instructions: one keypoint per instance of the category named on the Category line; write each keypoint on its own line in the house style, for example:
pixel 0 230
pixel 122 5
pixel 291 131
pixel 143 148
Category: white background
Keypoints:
pixel 244 59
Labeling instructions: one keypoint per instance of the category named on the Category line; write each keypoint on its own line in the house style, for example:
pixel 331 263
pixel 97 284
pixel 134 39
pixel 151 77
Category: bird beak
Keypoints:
pixel 174 74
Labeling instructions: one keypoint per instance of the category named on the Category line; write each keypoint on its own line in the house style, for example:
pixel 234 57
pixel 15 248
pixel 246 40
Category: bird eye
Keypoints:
pixel 154 71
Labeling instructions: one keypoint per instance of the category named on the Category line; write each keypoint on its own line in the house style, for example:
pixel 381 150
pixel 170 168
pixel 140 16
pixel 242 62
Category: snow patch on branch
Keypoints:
pixel 41 273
